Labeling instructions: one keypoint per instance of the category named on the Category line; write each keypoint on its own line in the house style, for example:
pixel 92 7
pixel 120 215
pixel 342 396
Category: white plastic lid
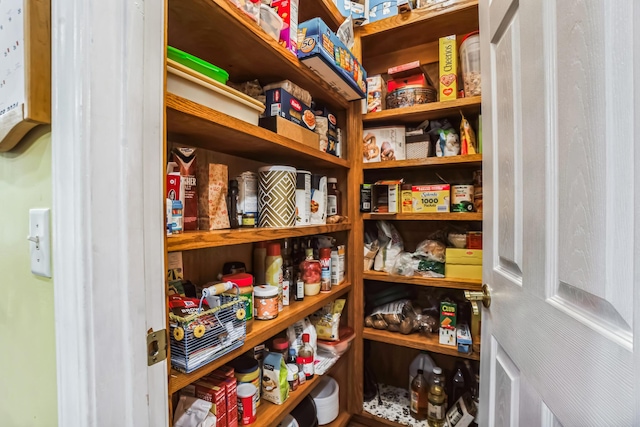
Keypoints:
pixel 332 180
pixel 437 370
pixel 247 390
pixel 265 291
pixel 277 168
pixel 292 371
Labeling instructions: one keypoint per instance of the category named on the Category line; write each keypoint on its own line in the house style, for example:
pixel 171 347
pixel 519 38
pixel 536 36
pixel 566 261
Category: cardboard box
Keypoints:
pixel 281 103
pixel 353 9
pixel 464 256
pixel 230 384
pixel 385 197
pixel 327 130
pixel 459 415
pixel 288 11
pixel 448 317
pixel 431 198
pixel 384 144
pixel 474 240
pixel 447 336
pixel 380 9
pixel 407 199
pixel 365 197
pixel 185 158
pixel 322 51
pixel 464 338
pixel 461 271
pixel 291 130
pixel 376 93
pixel 448 68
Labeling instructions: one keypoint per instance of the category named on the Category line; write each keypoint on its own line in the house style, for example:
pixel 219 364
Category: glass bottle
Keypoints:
pixel 458 386
pixel 310 269
pixel 299 288
pixel 307 355
pixel 437 397
pixel 333 198
pixel 288 277
pixel 419 396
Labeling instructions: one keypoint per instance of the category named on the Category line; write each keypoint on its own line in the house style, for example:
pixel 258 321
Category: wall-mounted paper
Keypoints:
pixel 12 84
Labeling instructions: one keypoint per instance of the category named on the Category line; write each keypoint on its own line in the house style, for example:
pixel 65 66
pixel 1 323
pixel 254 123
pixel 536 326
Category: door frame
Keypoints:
pixel 108 214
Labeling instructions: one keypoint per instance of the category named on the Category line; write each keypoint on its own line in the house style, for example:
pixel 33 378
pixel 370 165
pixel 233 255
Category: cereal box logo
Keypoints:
pixel 308 44
pixel 332 119
pixel 296 105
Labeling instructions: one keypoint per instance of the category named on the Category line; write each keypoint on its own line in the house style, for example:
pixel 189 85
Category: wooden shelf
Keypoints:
pixel 451 283
pixel 451 216
pixel 367 419
pixel 259 331
pixel 202 127
pixel 418 27
pixel 222 34
pixel 342 420
pixel 416 341
pixel 191 240
pixel 419 113
pixel 471 160
pixel 324 9
pixel 270 414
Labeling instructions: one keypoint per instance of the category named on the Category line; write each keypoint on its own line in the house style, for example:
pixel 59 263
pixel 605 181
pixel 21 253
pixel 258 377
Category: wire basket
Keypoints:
pixel 201 338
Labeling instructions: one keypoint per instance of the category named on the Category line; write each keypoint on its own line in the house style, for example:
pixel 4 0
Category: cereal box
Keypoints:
pixel 430 198
pixel 448 68
pixel 288 11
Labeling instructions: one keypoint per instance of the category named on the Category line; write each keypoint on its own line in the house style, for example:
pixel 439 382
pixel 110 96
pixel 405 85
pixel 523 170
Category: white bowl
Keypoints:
pixel 326 396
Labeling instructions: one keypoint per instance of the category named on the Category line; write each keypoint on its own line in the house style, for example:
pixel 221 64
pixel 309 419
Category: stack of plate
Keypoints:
pixel 326 396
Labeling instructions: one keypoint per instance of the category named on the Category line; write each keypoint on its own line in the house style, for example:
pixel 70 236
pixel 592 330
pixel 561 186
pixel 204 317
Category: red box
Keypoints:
pixel 288 11
pixel 225 371
pixel 217 395
pixel 416 80
pixel 231 394
pixel 408 69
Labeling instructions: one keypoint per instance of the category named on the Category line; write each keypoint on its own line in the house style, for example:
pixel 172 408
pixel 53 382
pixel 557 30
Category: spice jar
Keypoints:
pixel 248 220
pixel 281 345
pixel 265 302
pixel 292 376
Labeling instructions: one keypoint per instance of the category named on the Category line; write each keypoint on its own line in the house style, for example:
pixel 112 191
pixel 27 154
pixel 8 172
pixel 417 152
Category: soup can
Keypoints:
pixel 277 196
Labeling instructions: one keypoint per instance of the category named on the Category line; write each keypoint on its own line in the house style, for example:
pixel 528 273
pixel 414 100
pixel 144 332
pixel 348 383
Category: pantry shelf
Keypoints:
pixel 419 113
pixel 470 160
pixel 324 9
pixel 342 420
pixel 270 414
pixel 259 331
pixel 449 216
pixel 418 27
pixel 203 127
pixel 191 240
pixel 222 34
pixel 451 283
pixel 417 341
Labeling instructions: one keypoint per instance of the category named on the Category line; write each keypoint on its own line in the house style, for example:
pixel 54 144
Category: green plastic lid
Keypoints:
pixel 197 64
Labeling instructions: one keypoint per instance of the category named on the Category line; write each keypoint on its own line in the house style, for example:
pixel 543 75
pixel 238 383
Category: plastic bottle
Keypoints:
pixel 325 274
pixel 419 396
pixel 232 204
pixel 292 355
pixel 259 257
pixel 333 198
pixel 422 361
pixel 273 275
pixel 437 407
pixel 458 386
pixel 307 356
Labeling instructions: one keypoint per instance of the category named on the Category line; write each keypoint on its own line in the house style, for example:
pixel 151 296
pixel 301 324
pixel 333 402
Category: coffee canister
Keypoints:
pixel 462 198
pixel 303 197
pixel 276 196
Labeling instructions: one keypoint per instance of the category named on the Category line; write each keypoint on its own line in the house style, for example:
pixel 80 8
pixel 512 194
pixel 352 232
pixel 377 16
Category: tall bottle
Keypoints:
pixel 288 277
pixel 437 407
pixel 273 263
pixel 458 386
pixel 232 204
pixel 307 356
pixel 333 198
pixel 419 396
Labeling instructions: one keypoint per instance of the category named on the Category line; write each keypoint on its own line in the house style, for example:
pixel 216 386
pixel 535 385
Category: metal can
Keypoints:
pixel 462 198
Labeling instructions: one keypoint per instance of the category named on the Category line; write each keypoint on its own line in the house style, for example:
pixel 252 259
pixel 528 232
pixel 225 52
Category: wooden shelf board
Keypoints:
pixel 222 34
pixel 450 216
pixel 417 341
pixel 471 160
pixel 342 420
pixel 203 127
pixel 418 27
pixel 191 240
pixel 259 331
pixel 324 9
pixel 368 419
pixel 451 283
pixel 419 113
pixel 270 414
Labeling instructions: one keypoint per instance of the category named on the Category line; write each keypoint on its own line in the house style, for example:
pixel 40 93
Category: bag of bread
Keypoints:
pixel 212 203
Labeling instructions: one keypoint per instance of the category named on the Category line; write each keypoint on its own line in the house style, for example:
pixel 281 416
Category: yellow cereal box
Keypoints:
pixel 448 68
pixel 430 198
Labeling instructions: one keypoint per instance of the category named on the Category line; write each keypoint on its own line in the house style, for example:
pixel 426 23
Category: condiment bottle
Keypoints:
pixel 325 273
pixel 333 198
pixel 419 396
pixel 299 288
pixel 311 271
pixel 293 355
pixel 273 275
pixel 259 257
pixel 437 397
pixel 307 357
pixel 288 278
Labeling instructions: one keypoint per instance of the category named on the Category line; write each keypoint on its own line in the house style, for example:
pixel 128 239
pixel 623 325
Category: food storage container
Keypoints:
pixel 409 96
pixel 276 196
pixel 265 302
pixel 197 64
pixel 270 21
pixel 470 62
pixel 338 348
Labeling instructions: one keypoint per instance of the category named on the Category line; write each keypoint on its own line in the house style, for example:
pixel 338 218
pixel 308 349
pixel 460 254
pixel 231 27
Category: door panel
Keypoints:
pixel 559 212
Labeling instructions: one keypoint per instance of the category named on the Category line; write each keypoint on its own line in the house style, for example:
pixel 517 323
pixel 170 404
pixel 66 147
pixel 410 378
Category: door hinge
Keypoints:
pixel 156 346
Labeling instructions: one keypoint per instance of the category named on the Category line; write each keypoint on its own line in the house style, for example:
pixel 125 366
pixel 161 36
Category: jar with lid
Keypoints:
pixel 292 376
pixel 265 302
pixel 333 198
pixel 281 345
pixel 247 371
pixel 248 220
pixel 311 274
pixel 325 269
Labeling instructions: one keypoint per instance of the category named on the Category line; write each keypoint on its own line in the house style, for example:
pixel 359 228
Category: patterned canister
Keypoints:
pixel 277 196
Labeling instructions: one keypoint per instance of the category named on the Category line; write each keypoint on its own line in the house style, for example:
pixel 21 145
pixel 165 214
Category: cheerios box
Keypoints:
pixel 430 198
pixel 281 103
pixel 448 68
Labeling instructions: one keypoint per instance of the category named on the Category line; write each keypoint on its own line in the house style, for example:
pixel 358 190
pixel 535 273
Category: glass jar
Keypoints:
pixel 248 220
pixel 311 274
pixel 281 345
pixel 265 302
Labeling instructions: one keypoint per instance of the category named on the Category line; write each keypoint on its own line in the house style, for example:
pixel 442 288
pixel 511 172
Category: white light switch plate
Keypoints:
pixel 41 251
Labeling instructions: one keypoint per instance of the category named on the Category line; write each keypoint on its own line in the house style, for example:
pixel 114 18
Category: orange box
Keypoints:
pixel 448 68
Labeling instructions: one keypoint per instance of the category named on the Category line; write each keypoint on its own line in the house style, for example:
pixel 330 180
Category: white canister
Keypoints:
pixel 303 197
pixel 462 198
pixel 277 196
pixel 248 193
pixel 318 199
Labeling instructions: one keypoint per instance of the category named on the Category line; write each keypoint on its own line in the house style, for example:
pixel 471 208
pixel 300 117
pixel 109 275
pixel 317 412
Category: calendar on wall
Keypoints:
pixel 25 68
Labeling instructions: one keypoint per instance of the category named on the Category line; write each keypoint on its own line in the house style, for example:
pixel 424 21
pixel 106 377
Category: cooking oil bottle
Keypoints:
pixel 437 397
pixel 419 393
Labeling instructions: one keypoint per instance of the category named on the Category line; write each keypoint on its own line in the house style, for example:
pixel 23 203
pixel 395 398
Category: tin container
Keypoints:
pixel 276 196
pixel 462 198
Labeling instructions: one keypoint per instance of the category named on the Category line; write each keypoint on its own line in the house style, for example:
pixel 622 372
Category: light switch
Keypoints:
pixel 40 241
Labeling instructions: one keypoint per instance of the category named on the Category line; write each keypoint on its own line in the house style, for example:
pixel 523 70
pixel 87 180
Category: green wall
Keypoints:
pixel 27 334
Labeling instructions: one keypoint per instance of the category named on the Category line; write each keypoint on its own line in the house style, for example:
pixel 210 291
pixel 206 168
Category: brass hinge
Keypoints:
pixel 156 346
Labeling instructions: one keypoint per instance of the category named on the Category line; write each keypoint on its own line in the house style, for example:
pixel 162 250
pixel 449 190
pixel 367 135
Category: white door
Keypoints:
pixel 560 212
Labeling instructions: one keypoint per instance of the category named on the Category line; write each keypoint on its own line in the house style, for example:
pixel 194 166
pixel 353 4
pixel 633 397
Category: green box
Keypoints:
pixel 448 314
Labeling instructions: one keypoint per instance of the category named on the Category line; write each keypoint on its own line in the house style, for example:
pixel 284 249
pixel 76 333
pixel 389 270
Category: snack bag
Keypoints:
pixel 467 137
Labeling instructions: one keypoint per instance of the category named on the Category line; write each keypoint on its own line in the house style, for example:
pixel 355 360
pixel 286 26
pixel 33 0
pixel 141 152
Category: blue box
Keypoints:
pixel 353 9
pixel 281 103
pixel 464 339
pixel 381 9
pixel 329 58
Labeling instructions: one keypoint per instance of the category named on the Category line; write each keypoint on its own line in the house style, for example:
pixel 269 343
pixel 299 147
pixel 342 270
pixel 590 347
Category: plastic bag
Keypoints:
pixel 345 33
pixel 404 265
pixel 193 412
pixel 431 250
pixel 295 331
pixel 327 320
pixel 391 245
pixel 467 137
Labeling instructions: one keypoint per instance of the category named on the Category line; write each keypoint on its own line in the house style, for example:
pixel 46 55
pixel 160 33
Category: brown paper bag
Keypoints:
pixel 212 202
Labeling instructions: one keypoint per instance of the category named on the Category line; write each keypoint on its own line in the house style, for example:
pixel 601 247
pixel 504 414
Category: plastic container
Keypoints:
pixel 277 196
pixel 197 64
pixel 338 348
pixel 470 64
pixel 270 21
pixel 247 371
pixel 281 345
pixel 190 84
pixel 246 403
pixel 265 302
pixel 326 396
pixel 292 376
pixel 421 361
